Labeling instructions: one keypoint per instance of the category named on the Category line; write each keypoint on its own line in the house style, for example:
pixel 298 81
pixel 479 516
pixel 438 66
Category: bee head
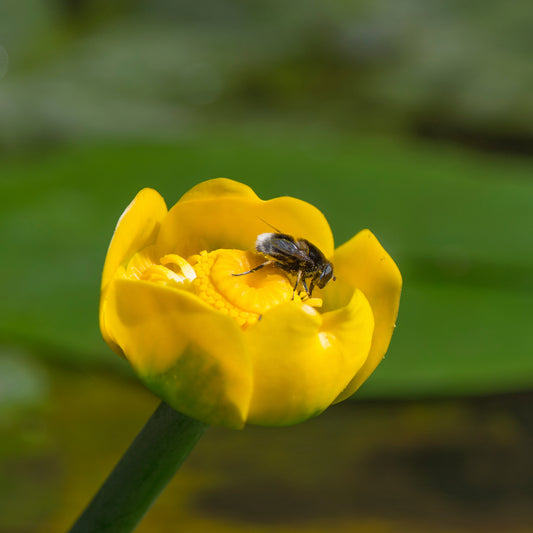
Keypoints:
pixel 325 276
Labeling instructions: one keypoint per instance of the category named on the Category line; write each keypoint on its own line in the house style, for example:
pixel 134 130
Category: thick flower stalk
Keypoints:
pixel 230 350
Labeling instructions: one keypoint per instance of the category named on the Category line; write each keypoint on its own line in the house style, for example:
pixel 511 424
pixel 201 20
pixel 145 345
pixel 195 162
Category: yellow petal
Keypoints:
pixel 184 351
pixel 222 213
pixel 137 227
pixel 363 263
pixel 302 360
pixel 217 188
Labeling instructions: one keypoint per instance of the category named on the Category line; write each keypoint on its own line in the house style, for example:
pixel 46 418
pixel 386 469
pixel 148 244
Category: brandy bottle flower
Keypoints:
pixel 230 350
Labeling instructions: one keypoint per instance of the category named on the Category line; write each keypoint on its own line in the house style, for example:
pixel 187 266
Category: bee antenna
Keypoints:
pixel 268 224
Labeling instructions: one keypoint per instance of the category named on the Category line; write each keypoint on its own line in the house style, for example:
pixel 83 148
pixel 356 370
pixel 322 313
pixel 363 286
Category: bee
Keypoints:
pixel 295 256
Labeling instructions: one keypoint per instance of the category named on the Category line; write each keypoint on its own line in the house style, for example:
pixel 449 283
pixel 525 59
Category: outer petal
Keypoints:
pixel 363 263
pixel 302 361
pixel 185 352
pixel 223 213
pixel 137 227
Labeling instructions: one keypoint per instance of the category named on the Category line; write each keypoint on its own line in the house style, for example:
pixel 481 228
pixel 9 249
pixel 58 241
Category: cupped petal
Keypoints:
pixel 188 354
pixel 217 188
pixel 137 228
pixel 303 360
pixel 223 213
pixel 362 263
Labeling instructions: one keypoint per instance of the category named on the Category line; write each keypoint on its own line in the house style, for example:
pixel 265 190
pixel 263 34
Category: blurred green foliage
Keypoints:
pixel 457 224
pixel 98 100
pixel 87 68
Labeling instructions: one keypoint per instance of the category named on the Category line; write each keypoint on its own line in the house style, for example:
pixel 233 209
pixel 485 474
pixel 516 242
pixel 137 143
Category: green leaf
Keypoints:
pixel 458 225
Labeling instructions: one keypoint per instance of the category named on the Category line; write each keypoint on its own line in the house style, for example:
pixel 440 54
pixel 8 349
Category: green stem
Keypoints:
pixel 143 472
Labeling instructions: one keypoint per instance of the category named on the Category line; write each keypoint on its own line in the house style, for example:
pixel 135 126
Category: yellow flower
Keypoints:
pixel 230 350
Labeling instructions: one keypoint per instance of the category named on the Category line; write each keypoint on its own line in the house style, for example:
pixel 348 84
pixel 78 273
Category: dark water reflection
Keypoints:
pixel 444 466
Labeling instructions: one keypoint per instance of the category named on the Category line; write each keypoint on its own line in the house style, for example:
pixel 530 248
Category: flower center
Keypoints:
pixel 212 277
pixel 245 297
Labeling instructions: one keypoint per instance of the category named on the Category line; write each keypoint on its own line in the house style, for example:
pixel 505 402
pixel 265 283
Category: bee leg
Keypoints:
pixel 297 283
pixel 255 269
pixel 311 287
pixel 306 289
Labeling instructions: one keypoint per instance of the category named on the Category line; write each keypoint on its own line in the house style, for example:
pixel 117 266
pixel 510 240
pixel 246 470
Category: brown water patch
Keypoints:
pixel 452 463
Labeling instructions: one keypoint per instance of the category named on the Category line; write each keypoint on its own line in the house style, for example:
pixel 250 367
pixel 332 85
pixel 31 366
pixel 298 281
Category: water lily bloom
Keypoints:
pixel 230 350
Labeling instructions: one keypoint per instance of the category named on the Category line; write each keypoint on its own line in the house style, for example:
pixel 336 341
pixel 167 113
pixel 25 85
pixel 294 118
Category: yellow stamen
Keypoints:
pixel 313 302
pixel 211 276
pixel 170 269
pixel 187 271
pixel 245 298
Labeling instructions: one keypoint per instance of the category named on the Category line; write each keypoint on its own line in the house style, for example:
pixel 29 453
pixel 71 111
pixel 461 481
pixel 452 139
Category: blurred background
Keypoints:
pixel 413 118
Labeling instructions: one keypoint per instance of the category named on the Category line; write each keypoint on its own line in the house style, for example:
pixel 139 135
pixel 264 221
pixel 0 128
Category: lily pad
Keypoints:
pixel 457 223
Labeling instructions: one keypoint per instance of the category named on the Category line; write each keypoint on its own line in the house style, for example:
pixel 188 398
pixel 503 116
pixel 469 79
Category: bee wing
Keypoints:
pixel 286 248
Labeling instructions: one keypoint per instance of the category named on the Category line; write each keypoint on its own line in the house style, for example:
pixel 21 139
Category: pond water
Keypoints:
pixel 462 465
